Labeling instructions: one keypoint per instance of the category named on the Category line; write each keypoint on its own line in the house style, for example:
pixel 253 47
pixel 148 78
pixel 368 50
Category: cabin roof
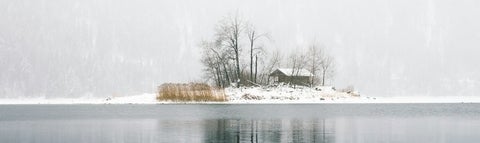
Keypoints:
pixel 292 72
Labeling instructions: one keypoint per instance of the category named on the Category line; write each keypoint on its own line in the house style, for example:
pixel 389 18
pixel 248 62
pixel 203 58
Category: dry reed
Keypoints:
pixel 199 92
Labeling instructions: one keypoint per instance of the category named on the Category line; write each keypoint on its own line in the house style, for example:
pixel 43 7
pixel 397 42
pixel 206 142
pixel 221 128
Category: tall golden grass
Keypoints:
pixel 199 92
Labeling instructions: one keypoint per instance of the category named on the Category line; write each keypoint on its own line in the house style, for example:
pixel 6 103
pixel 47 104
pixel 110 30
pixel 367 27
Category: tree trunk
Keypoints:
pixel 256 68
pixel 252 40
pixel 323 78
pixel 218 79
pixel 251 60
pixel 238 68
pixel 226 74
pixel 314 74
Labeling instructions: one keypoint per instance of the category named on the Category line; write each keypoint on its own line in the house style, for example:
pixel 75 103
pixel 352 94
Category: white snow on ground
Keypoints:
pixel 135 99
pixel 422 99
pixel 286 94
pixel 259 95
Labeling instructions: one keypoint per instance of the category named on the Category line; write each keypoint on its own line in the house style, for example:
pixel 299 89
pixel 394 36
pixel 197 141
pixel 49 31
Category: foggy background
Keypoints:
pixel 74 48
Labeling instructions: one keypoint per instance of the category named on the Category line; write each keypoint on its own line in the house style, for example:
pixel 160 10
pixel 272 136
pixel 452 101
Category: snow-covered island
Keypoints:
pixel 257 95
pixel 268 95
pixel 279 92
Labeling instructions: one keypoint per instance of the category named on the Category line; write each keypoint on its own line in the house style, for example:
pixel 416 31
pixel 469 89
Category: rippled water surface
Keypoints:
pixel 368 123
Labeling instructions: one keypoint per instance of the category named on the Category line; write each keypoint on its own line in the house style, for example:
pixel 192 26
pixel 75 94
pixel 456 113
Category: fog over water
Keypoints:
pixel 73 48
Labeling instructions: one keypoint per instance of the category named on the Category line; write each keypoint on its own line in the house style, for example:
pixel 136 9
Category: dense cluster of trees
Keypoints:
pixel 227 63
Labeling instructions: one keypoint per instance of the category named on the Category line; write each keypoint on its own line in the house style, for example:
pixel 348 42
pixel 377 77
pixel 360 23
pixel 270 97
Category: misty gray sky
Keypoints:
pixel 63 48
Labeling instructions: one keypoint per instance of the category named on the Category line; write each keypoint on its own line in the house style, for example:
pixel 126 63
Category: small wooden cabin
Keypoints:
pixel 292 76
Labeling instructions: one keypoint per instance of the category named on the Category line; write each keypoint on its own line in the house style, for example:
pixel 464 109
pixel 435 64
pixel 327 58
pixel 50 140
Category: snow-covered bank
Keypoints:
pixel 150 99
pixel 423 99
pixel 259 95
pixel 134 99
pixel 286 94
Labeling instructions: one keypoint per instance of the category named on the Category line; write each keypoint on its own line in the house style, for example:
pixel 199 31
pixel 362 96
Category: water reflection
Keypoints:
pixel 217 124
pixel 254 131
pixel 153 130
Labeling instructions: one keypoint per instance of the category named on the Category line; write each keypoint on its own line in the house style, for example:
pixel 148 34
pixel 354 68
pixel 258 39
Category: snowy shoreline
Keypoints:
pixel 150 99
pixel 258 95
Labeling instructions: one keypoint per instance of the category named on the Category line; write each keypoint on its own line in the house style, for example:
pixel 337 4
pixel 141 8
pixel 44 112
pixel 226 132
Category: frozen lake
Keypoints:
pixel 369 123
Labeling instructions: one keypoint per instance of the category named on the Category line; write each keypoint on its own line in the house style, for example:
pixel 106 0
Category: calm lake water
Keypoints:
pixel 324 123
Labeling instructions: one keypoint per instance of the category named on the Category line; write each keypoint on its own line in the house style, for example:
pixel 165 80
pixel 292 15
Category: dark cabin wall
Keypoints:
pixel 283 78
pixel 298 80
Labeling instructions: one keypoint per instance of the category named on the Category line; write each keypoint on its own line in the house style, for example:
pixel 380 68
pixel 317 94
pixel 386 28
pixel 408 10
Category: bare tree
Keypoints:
pixel 224 61
pixel 256 68
pixel 211 62
pixel 259 55
pixel 253 36
pixel 229 33
pixel 320 64
pixel 327 68
pixel 315 58
pixel 216 60
pixel 296 63
pixel 273 62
